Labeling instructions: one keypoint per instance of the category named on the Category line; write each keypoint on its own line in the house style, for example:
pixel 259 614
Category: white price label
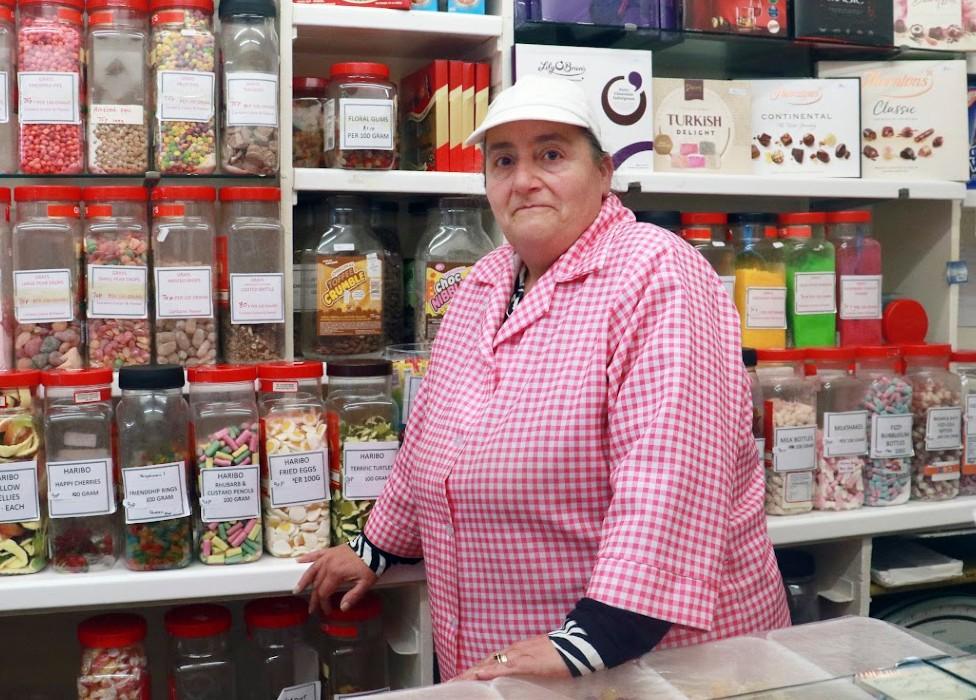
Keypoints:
pixel 4 97
pixel 117 291
pixel 891 436
pixel 297 478
pixel 845 434
pixel 80 487
pixel 257 298
pixel 761 449
pixel 410 390
pixel 43 296
pixel 860 297
pixel 366 124
pixel 794 448
pixel 132 115
pixel 155 492
pixel 330 125
pixel 19 500
pixel 943 428
pixel 252 99
pixel 184 292
pixel 813 293
pixel 305 691
pixel 366 467
pixel 185 96
pixel 942 471
pixel 729 283
pixel 799 487
pixel 766 308
pixel 230 493
pixel 48 98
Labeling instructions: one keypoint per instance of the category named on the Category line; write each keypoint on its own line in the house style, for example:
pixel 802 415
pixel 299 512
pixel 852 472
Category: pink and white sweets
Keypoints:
pixel 113 659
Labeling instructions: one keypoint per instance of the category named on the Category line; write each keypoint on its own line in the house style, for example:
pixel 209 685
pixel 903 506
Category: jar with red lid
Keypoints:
pixel 50 85
pixel 278 659
pixel 707 233
pixel 361 122
pixel 904 321
pixel 6 285
pixel 353 650
pixel 117 274
pixel 79 455
pixel 811 308
pixel 113 658
pixel 184 249
pixel 23 522
pixel 47 278
pixel 307 100
pixel 8 68
pixel 252 275
pixel 118 89
pixel 964 365
pixel 858 277
pixel 201 664
pixel 182 56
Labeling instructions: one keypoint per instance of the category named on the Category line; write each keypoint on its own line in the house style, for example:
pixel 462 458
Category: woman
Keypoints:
pixel 579 472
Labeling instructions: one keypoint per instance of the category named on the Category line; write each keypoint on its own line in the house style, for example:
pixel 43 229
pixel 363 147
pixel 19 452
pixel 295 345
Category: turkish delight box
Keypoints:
pixel 867 22
pixel 470 7
pixel 913 118
pixel 768 18
pixel 946 25
pixel 806 127
pixel 702 126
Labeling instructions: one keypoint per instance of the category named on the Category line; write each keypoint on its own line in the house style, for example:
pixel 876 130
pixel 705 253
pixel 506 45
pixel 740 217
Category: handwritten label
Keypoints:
pixel 43 296
pixel 366 124
pixel 813 293
pixel 19 500
pixel 229 493
pixel 184 292
pixel 799 487
pixel 155 492
pixel 116 114
pixel 185 96
pixel 860 297
pixel 80 487
pixel 48 98
pixel 117 291
pixel 252 99
pixel 766 308
pixel 845 434
pixel 257 298
pixel 891 436
pixel 366 468
pixel 298 478
pixel 943 428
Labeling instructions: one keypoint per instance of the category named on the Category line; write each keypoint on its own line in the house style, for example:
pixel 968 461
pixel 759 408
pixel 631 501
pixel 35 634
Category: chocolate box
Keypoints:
pixel 757 17
pixel 948 25
pixel 867 22
pixel 641 13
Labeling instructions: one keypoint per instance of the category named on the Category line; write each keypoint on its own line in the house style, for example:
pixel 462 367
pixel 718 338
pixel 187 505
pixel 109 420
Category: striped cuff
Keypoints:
pixel 573 644
pixel 374 557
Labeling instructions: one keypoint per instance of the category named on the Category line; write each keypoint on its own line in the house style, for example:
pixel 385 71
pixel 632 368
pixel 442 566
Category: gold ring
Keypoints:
pixel 501 658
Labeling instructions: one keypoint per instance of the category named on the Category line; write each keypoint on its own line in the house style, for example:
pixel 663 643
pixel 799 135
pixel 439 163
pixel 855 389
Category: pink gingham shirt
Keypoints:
pixel 597 443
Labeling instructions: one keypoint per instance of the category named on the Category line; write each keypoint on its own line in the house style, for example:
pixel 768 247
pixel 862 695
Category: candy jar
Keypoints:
pixel 305 238
pixel 118 89
pixel 252 275
pixel 50 84
pixel 23 517
pixel 383 219
pixel 760 281
pixel 750 359
pixel 117 273
pixel 352 650
pixel 224 416
pixel 8 120
pixel 790 427
pixel 6 284
pixel 308 96
pixel 249 56
pixel 201 664
pixel 964 362
pixel 277 660
pixel 363 440
pixel 937 428
pixel 409 362
pixel 858 277
pixel 810 295
pixel 842 430
pixel 81 493
pixel 183 63
pixel 361 122
pixel 113 658
pixel 185 262
pixel 706 232
pixel 668 220
pixel 450 247
pixel 152 419
pixel 888 401
pixel 294 483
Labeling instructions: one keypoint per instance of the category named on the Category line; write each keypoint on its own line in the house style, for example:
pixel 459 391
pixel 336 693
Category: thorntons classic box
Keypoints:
pixel 757 17
pixel 948 25
pixel 618 84
pixel 806 127
pixel 913 118
pixel 859 22
pixel 702 126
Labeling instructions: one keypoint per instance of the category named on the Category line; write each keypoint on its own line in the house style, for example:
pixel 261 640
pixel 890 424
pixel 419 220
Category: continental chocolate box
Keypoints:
pixel 862 22
pixel 913 118
pixel 806 127
pixel 948 25
pixel 757 17
pixel 702 126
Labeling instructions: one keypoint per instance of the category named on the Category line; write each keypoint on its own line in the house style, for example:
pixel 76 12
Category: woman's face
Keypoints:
pixel 544 186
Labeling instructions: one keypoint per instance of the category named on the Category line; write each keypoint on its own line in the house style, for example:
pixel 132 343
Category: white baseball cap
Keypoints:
pixel 538 98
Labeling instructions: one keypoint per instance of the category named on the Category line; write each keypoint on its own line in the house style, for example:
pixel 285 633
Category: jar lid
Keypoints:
pixel 307 369
pixel 359 368
pixel 275 613
pixel 15 378
pixel 138 5
pixel 831 354
pixel 803 217
pixel 852 216
pixel 250 194
pixel 261 8
pixel 47 193
pixel 795 564
pixel 904 321
pixel 77 377
pixel 198 620
pixel 151 377
pixel 922 350
pixel 781 354
pixel 378 70
pixel 126 194
pixel 963 356
pixel 4 191
pixel 112 631
pixel 749 357
pixel 175 193
pixel 339 631
pixel 307 82
pixel 205 5
pixel 741 218
pixel 705 218
pixel 664 219
pixel 696 233
pixel 221 374
pixel 885 352
pixel 368 608
pixel 76 4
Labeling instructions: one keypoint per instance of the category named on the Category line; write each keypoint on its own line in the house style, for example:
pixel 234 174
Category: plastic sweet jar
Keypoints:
pixel 453 242
pixel 249 143
pixel 668 220
pixel 8 116
pixel 6 285
pixel 750 359
pixel 278 660
pixel 226 437
pixel 937 427
pixel 888 401
pixel 113 658
pixel 811 307
pixel 760 281
pixel 964 365
pixel 858 277
pixel 294 467
pixel 363 440
pixel 117 273
pixel 798 570
pixel 410 361
pixel 152 420
pixel 118 89
pixel 200 662
pixel 307 100
pixel 383 219
pixel 184 249
pixel 78 445
pixel 706 232
pixel 361 122
pixel 23 520
pixel 46 248
pixel 904 322
pixel 305 238
pixel 251 286
pixel 842 429
pixel 790 428
pixel 352 650
pixel 51 89
pixel 183 62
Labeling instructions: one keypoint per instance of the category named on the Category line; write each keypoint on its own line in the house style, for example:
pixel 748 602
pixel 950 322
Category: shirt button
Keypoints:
pixel 449 531
pixel 453 622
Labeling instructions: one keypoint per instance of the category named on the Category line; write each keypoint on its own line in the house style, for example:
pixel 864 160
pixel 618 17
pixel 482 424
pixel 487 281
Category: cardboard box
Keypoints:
pixel 945 25
pixel 702 126
pixel 756 17
pixel 867 22
pixel 972 133
pixel 640 13
pixel 468 7
pixel 913 118
pixel 806 127
pixel 467 115
pixel 424 5
pixel 618 83
pixel 426 136
pixel 482 84
pixel 388 4
pixel 455 110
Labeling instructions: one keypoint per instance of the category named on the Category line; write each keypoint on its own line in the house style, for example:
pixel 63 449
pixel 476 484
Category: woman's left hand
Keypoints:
pixel 535 656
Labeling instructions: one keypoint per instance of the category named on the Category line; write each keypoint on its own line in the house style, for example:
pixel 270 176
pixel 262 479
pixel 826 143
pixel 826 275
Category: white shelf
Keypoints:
pixel 353 30
pixel 392 181
pixel 970 201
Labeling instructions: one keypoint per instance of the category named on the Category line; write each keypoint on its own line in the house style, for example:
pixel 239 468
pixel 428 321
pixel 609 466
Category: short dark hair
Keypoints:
pixel 596 148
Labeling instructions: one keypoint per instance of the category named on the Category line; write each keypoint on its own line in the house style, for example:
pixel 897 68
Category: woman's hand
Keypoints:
pixel 535 656
pixel 330 569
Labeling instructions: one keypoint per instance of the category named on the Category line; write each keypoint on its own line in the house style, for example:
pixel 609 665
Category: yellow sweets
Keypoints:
pixel 760 297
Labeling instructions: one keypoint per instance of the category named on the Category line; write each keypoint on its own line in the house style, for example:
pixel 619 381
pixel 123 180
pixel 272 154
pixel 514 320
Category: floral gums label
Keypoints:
pixel 349 296
pixel 443 280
